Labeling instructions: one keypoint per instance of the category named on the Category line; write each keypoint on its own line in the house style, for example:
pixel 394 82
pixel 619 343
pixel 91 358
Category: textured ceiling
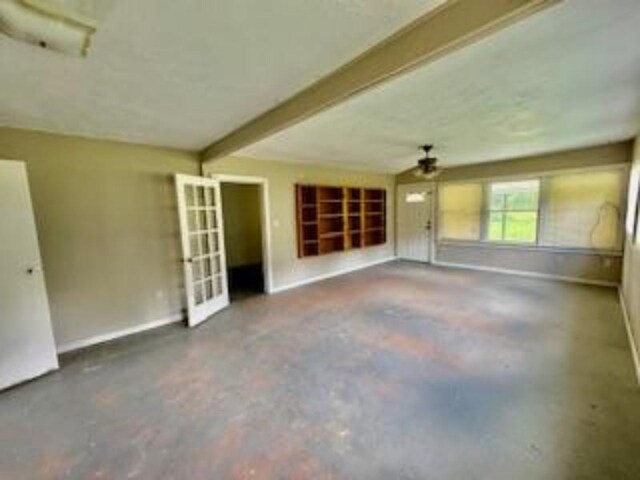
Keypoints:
pixel 565 78
pixel 183 73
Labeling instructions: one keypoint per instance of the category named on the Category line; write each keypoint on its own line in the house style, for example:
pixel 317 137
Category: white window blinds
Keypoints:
pixel 576 210
pixel 460 211
pixel 583 210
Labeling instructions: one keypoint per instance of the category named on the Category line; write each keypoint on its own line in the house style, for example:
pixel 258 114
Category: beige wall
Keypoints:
pixel 287 267
pixel 108 230
pixel 561 264
pixel 585 266
pixel 611 154
pixel 631 275
pixel 242 224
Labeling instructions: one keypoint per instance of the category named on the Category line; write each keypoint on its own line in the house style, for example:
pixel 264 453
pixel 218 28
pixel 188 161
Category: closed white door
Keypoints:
pixel 27 347
pixel 201 226
pixel 414 222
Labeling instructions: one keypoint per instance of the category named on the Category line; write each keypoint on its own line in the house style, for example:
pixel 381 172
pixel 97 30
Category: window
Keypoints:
pixel 415 197
pixel 583 210
pixel 578 209
pixel 460 211
pixel 513 211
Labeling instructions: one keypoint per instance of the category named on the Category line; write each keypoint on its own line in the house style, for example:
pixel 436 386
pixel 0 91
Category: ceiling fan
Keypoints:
pixel 427 167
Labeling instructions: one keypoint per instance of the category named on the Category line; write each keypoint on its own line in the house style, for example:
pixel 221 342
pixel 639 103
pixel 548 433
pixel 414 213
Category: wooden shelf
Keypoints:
pixel 334 219
pixel 331 235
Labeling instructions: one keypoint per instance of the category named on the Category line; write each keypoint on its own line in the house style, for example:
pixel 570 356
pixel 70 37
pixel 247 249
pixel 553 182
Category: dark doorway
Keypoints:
pixel 241 204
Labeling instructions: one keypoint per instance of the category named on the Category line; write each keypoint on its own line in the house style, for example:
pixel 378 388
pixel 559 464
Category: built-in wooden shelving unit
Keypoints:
pixel 335 219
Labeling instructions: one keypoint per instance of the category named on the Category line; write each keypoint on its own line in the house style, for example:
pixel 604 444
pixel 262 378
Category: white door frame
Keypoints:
pixel 432 192
pixel 263 183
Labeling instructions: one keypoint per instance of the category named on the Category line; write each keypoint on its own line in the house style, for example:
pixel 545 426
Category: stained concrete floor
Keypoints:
pixel 396 372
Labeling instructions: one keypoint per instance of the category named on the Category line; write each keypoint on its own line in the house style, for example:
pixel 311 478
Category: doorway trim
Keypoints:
pixel 263 183
pixel 431 191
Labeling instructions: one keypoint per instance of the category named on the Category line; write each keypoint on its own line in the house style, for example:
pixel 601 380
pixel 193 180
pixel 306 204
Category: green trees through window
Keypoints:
pixel 513 211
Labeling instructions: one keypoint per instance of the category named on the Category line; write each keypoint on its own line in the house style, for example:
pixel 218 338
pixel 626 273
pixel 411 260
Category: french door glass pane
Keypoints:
pixel 204 241
pixel 189 195
pixel 198 293
pixel 206 268
pixel 194 245
pixel 192 220
pixel 200 196
pixel 209 292
pixel 197 270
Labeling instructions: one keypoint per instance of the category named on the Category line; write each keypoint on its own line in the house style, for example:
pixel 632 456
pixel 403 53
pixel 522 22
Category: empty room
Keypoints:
pixel 310 239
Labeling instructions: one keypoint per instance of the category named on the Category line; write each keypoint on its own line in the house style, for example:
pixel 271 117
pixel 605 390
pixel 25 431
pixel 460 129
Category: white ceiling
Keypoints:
pixel 565 78
pixel 183 73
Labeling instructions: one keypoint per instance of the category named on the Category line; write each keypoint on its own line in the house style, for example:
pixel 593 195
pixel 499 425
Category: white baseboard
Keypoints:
pixel 326 276
pixel 627 323
pixel 105 337
pixel 521 273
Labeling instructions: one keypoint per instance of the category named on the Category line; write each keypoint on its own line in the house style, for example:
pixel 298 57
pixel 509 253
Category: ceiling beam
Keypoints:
pixel 449 27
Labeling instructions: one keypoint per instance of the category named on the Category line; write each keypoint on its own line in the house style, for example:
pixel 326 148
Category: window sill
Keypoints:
pixel 529 248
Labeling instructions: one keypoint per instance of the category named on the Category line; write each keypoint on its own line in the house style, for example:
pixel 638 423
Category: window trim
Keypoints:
pixel 623 168
pixel 487 211
pixel 530 247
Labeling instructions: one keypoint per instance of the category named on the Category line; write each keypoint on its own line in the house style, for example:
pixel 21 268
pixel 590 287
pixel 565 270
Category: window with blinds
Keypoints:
pixel 581 210
pixel 460 211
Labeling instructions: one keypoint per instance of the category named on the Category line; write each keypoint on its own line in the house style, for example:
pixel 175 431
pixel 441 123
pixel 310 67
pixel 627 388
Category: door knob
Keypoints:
pixel 32 270
pixel 428 225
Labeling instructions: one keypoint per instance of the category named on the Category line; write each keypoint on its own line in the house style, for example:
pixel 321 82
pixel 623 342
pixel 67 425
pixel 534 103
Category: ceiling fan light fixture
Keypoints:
pixel 427 167
pixel 65 26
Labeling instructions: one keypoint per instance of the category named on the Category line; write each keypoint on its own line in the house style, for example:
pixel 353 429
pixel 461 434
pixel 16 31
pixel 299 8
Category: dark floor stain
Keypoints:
pixel 388 373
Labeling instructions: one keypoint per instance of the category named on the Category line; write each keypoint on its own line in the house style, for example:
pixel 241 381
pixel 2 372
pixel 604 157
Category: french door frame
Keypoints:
pixel 265 217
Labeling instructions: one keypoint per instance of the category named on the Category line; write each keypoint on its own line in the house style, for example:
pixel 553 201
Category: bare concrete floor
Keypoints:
pixel 396 372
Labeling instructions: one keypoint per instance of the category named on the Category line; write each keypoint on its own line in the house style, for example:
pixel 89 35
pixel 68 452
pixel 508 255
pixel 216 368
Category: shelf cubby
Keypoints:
pixel 334 219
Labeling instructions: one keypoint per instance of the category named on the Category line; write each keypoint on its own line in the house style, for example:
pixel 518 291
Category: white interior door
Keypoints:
pixel 201 227
pixel 414 222
pixel 27 347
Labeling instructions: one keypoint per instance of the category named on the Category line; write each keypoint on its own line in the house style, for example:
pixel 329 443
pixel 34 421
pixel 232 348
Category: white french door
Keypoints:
pixel 27 347
pixel 414 222
pixel 201 228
